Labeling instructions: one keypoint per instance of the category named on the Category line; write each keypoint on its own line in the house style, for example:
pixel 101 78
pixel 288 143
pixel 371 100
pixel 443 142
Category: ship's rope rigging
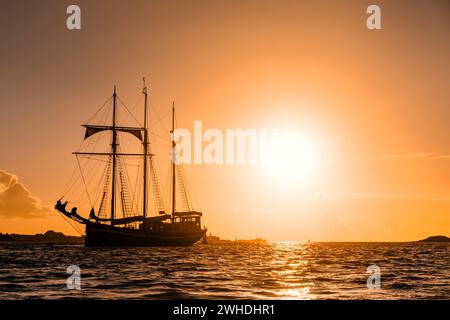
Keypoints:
pixel 129 112
pixel 97 190
pixel 184 189
pixel 73 225
pixel 100 109
pixel 111 154
pixel 94 178
pixel 84 182
pixel 152 124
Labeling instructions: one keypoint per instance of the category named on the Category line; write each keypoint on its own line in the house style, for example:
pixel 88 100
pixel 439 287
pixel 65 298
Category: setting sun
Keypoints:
pixel 294 157
pixel 211 150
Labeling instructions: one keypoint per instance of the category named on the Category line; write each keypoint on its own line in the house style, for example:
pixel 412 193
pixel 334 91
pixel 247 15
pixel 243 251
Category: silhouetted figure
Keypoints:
pixel 74 210
pixel 61 206
pixel 92 214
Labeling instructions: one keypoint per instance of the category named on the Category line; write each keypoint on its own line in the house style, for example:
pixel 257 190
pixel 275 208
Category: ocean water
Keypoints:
pixel 285 270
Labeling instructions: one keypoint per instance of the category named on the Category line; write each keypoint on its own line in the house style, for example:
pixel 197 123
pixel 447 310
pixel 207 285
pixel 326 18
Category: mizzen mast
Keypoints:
pixel 173 159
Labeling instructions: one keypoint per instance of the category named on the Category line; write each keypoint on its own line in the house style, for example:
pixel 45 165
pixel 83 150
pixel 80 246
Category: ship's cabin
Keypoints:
pixel 178 221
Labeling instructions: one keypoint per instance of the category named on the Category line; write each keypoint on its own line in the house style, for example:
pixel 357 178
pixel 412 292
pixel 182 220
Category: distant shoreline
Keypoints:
pixel 436 239
pixel 52 237
pixel 49 237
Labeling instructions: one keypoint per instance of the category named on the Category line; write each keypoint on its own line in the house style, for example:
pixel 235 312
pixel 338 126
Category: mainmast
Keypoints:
pixel 145 143
pixel 114 160
pixel 173 158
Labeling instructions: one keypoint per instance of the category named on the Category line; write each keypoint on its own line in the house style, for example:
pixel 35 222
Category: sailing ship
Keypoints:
pixel 118 219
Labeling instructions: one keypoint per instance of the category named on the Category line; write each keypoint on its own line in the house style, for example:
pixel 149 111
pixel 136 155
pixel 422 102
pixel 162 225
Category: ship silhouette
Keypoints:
pixel 117 219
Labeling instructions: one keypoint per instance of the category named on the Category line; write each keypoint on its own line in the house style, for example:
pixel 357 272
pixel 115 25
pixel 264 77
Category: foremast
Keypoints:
pixel 139 132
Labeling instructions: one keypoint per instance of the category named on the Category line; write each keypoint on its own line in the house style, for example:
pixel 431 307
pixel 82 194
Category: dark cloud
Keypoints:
pixel 16 201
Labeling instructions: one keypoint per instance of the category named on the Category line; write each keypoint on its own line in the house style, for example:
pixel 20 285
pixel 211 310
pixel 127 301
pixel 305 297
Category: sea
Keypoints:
pixel 282 270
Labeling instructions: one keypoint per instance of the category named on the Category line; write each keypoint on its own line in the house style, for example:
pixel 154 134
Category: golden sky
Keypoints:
pixel 375 104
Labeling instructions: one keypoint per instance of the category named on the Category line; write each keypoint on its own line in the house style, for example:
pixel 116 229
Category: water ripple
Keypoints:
pixel 251 271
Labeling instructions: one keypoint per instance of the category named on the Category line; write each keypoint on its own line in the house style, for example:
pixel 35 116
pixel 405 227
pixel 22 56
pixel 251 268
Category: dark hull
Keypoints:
pixel 100 235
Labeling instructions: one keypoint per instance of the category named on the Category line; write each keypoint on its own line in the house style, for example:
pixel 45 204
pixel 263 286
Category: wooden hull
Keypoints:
pixel 101 235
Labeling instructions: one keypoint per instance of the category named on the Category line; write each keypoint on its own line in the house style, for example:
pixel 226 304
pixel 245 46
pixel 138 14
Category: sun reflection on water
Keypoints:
pixel 290 270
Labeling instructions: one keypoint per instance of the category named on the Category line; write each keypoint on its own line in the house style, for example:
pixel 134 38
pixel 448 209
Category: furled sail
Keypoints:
pixel 92 129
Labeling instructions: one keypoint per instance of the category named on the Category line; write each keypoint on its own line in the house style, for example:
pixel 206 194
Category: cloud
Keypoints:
pixel 16 201
pixel 417 155
pixel 382 196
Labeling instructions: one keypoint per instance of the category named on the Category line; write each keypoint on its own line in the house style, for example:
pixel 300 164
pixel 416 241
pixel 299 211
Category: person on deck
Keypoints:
pixel 60 205
pixel 92 214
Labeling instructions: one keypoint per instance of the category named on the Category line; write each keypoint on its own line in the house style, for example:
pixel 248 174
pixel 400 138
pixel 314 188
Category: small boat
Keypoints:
pixel 117 219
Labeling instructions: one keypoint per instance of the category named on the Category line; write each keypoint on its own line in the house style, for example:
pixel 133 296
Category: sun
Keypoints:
pixel 292 156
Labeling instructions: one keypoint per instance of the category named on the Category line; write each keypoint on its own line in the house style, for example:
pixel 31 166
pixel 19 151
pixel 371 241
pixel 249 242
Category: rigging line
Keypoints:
pixel 153 159
pixel 166 189
pixel 78 180
pixel 80 200
pixel 72 188
pixel 84 181
pixel 87 143
pixel 191 190
pixel 134 142
pixel 135 187
pixel 168 186
pixel 187 183
pixel 104 188
pixel 127 178
pixel 157 135
pixel 96 141
pixel 102 160
pixel 97 137
pixel 154 123
pixel 73 226
pixel 160 118
pixel 92 170
pixel 134 108
pixel 157 114
pixel 129 112
pixel 156 173
pixel 95 159
pixel 139 191
pixel 129 183
pixel 105 114
pixel 72 182
pixel 100 184
pixel 104 104
pixel 96 187
pixel 68 182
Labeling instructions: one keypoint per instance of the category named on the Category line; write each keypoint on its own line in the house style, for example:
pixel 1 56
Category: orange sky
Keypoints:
pixel 376 104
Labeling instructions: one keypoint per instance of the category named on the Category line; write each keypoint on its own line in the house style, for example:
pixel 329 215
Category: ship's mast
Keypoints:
pixel 145 143
pixel 173 159
pixel 114 155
